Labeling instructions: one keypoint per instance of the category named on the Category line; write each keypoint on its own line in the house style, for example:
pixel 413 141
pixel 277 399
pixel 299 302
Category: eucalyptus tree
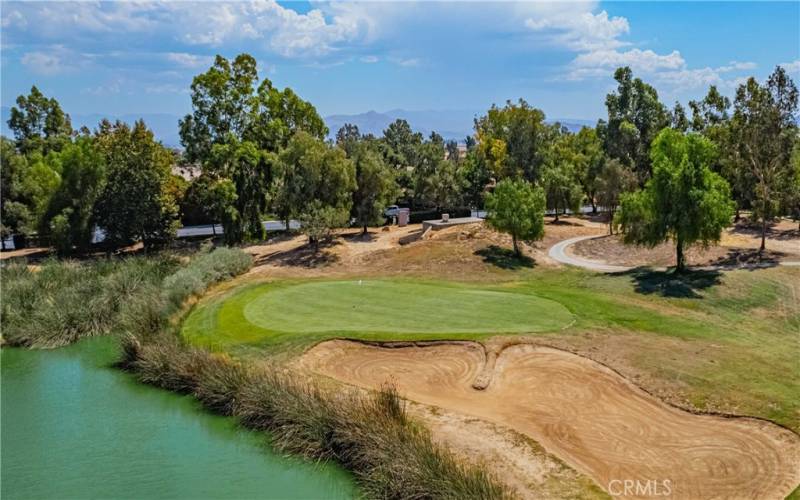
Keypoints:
pixel 236 130
pixel 39 124
pixel 635 117
pixel 763 133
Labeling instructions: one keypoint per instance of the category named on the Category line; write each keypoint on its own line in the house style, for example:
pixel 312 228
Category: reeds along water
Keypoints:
pixel 368 433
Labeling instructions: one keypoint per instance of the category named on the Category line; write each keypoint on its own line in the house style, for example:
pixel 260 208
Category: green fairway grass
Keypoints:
pixel 369 308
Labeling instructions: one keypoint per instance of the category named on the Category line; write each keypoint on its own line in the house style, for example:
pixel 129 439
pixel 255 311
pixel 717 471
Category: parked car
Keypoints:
pixel 391 211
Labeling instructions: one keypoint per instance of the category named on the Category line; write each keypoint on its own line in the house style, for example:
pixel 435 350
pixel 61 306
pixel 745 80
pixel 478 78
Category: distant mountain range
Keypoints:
pixel 451 124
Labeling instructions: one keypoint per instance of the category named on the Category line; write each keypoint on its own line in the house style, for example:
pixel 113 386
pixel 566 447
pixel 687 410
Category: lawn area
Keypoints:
pixel 375 308
pixel 716 341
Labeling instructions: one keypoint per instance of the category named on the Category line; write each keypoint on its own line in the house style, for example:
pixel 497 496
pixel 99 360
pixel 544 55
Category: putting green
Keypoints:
pixel 370 309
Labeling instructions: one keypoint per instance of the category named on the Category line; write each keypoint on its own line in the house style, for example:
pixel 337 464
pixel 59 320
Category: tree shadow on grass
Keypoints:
pixel 504 258
pixel 672 284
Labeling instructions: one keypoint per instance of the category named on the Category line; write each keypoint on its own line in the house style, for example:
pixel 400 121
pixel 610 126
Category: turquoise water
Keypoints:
pixel 72 427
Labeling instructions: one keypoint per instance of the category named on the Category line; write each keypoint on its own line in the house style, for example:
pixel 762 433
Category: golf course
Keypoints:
pixel 497 342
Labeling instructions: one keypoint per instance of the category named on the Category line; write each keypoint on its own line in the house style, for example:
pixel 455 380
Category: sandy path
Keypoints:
pixel 586 414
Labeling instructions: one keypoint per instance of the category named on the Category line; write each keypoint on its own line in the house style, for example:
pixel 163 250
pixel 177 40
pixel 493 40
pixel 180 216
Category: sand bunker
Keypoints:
pixel 586 414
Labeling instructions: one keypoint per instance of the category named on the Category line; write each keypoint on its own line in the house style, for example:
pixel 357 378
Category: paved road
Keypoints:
pixel 190 231
pixel 558 252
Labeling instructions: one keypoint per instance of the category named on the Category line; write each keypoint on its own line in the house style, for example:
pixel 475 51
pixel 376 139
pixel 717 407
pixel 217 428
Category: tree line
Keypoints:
pixel 255 150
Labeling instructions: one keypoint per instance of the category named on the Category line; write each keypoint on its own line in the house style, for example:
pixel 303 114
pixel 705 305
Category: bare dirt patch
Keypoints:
pixel 583 412
pixel 610 250
pixel 459 252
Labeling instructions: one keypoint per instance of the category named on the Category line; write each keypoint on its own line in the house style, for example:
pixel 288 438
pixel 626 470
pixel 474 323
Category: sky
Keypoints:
pixel 126 58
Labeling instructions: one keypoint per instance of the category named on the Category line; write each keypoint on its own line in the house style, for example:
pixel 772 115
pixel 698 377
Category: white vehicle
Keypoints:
pixel 391 211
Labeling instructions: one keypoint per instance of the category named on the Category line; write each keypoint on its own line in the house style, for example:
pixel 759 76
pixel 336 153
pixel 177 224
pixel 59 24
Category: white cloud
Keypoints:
pixel 791 67
pixel 53 60
pixel 109 88
pixel 13 18
pixel 581 31
pixel 737 66
pixel 166 88
pixel 406 63
pixel 369 59
pixel 187 60
pixel 279 29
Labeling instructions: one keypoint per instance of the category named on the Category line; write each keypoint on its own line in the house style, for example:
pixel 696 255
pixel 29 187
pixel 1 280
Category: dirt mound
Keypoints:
pixel 584 413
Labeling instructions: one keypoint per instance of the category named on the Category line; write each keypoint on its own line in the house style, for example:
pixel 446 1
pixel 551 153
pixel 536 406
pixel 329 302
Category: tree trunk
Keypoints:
pixel 763 226
pixel 738 216
pixel 365 229
pixel 680 260
pixel 517 251
pixel 287 224
pixel 594 205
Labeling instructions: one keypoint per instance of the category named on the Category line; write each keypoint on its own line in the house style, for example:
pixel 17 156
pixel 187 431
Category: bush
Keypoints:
pixel 204 270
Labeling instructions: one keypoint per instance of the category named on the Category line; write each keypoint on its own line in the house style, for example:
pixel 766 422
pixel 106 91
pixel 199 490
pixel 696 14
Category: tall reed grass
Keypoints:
pixel 65 300
pixel 369 434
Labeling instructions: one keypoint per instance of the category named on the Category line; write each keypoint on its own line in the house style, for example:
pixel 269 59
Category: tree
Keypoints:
pixel 28 184
pixel 15 216
pixel 792 195
pixel 309 170
pixel 375 186
pixel 561 187
pixel 223 102
pixel 236 131
pixel 516 207
pixel 635 117
pixel 209 200
pixel 453 153
pixel 680 121
pixel 763 133
pixel 39 124
pixel 70 218
pixel 250 170
pixel 711 111
pixel 317 221
pixel 614 180
pixel 584 152
pixel 348 138
pixel 684 201
pixel 135 203
pixel 402 144
pixel 474 177
pixel 513 140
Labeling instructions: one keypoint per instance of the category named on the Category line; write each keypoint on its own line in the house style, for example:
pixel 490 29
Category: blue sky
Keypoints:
pixel 121 58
